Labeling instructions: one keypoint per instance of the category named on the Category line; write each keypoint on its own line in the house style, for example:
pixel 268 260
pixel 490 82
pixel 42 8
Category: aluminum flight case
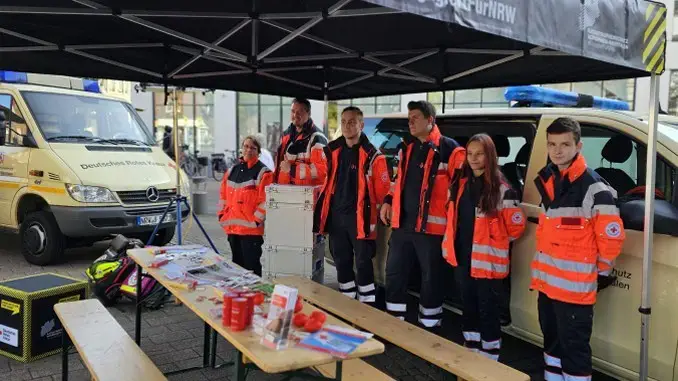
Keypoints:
pixel 289 215
pixel 290 246
pixel 279 261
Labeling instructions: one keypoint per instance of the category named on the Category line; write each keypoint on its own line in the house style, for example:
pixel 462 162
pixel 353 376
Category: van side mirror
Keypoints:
pixel 28 141
pixel 665 216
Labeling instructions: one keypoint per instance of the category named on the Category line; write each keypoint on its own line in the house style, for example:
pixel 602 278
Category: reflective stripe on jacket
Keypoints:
pixel 242 208
pixel 491 233
pixel 441 162
pixel 580 233
pixel 304 151
pixel 373 186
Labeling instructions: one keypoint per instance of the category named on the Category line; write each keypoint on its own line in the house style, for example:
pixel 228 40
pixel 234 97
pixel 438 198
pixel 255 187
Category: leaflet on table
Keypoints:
pixel 219 275
pixel 188 261
pixel 279 319
pixel 173 271
pixel 347 331
pixel 180 248
pixel 332 342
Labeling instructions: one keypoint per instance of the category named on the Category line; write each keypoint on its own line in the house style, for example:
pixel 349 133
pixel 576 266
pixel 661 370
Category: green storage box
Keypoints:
pixel 29 328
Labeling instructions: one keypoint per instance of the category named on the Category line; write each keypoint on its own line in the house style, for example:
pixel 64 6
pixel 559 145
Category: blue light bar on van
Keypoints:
pixel 91 85
pixel 13 76
pixel 544 96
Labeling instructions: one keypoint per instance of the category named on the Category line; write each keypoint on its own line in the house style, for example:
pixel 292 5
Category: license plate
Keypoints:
pixel 153 220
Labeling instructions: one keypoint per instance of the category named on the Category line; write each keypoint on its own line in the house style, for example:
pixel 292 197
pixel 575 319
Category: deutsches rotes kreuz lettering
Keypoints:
pixel 488 8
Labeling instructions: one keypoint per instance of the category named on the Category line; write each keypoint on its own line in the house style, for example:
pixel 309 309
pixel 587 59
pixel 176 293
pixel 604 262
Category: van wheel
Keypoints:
pixel 42 242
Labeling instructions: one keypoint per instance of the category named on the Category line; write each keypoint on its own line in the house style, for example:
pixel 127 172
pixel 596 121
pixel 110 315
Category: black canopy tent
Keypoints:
pixel 337 49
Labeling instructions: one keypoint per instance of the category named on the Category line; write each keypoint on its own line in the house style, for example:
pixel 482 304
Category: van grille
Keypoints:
pixel 146 211
pixel 139 197
pixel 149 210
pixel 53 176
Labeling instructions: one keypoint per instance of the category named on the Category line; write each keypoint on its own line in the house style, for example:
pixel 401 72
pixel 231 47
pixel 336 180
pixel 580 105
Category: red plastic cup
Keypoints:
pixel 228 305
pixel 239 314
pixel 250 305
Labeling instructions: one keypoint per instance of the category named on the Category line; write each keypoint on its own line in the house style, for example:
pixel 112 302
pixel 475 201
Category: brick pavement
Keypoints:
pixel 172 335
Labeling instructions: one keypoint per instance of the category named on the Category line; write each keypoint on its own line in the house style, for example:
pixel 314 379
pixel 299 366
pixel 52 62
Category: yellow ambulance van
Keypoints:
pixel 614 143
pixel 77 166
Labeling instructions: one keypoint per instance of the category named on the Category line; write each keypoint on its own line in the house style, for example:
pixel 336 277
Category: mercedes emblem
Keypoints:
pixel 152 194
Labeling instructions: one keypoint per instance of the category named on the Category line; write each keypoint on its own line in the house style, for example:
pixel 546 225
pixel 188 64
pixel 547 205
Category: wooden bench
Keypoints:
pixel 108 352
pixel 447 355
pixel 355 369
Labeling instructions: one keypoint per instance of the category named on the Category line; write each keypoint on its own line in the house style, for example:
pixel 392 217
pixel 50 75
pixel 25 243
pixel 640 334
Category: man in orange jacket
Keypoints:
pixel 416 209
pixel 299 160
pixel 579 236
pixel 357 183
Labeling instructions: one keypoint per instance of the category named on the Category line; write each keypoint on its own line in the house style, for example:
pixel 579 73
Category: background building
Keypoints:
pixel 669 80
pixel 115 88
pixel 214 121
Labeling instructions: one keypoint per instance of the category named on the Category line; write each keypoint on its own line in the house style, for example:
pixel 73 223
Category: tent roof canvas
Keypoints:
pixel 338 48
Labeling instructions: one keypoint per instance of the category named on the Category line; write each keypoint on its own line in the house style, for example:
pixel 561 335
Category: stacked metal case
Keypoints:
pixel 290 246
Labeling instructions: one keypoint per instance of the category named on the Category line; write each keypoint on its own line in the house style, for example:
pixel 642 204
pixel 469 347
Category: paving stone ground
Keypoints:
pixel 172 336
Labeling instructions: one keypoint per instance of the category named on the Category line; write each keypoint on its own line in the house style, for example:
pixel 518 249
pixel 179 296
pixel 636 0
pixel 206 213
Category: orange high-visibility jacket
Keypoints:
pixel 491 233
pixel 580 233
pixel 304 151
pixel 242 201
pixel 441 162
pixel 373 186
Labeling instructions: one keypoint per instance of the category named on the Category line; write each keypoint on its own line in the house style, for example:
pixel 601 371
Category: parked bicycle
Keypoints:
pixel 222 162
pixel 191 163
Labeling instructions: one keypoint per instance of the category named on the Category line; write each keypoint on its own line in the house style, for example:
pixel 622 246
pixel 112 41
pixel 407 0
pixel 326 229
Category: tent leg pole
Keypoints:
pixel 178 161
pixel 444 101
pixel 648 230
pixel 326 127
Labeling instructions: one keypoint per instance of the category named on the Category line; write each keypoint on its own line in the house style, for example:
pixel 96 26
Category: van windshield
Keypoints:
pixel 77 118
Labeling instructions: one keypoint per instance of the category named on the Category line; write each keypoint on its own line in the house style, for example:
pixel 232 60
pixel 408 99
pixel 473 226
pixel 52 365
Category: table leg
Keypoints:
pixel 206 346
pixel 213 354
pixel 239 367
pixel 137 316
pixel 337 374
pixel 65 345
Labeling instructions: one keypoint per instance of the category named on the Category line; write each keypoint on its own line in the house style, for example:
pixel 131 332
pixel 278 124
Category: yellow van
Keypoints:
pixel 614 143
pixel 77 166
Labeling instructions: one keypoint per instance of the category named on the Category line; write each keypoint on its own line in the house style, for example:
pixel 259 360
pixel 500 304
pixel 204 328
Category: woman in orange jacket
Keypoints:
pixel 480 250
pixel 242 207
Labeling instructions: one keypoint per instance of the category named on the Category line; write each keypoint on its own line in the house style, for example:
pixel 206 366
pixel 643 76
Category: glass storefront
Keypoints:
pixel 195 117
pixel 265 114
